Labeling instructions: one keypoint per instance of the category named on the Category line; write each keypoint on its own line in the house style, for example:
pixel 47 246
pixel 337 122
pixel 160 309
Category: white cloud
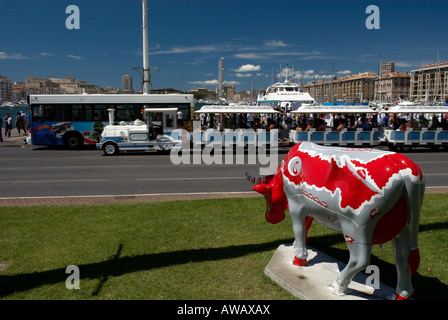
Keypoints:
pixel 75 57
pixel 241 75
pixel 234 83
pixel 192 49
pixel 248 68
pixel 206 82
pixel 13 56
pixel 411 64
pixel 251 55
pixel 213 82
pixel 320 77
pixel 344 72
pixel 294 53
pixel 315 57
pixel 275 43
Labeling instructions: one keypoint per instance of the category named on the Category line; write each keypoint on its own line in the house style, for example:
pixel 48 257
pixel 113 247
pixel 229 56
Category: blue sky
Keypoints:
pixel 188 37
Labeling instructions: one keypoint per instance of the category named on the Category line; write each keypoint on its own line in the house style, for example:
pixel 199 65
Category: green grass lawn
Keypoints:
pixel 204 249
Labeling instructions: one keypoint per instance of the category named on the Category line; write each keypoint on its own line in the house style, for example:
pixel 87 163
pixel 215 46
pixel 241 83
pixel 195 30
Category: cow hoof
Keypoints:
pixel 337 289
pixel 397 296
pixel 299 262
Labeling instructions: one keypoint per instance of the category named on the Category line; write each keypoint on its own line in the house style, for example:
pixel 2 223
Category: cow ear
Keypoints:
pixel 262 188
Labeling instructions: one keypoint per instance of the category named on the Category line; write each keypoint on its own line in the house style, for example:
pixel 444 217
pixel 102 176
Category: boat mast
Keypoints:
pixel 440 78
pixel 332 80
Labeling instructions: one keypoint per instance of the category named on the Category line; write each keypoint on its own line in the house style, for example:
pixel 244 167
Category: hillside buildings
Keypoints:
pixel 67 85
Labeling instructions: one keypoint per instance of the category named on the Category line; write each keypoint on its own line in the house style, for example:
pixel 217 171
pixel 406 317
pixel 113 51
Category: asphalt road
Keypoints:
pixel 43 172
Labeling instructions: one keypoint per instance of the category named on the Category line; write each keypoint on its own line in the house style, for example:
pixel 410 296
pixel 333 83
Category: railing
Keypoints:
pixel 421 137
pixel 340 138
pixel 231 137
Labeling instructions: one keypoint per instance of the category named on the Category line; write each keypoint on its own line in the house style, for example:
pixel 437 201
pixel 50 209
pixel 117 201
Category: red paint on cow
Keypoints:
pixel 390 224
pixel 414 260
pixel 398 297
pixel 299 262
pixel 276 201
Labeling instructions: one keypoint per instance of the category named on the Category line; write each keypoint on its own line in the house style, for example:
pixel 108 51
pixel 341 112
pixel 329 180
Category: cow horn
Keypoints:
pixel 258 180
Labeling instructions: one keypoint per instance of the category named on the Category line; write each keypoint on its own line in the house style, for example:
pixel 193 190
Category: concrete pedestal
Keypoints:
pixel 313 281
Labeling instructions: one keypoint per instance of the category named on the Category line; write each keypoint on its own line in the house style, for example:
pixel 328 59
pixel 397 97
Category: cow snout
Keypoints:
pixel 274 218
pixel 267 215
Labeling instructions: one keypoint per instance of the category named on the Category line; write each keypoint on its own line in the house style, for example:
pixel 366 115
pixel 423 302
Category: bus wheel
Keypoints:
pixel 73 140
pixel 392 147
pixel 110 148
pixel 406 148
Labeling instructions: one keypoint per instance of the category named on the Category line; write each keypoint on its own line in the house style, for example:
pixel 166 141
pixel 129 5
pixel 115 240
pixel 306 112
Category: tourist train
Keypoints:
pixel 400 127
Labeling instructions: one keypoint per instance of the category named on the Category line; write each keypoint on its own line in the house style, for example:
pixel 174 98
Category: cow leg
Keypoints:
pixel 359 260
pixel 298 213
pixel 401 247
pixel 405 244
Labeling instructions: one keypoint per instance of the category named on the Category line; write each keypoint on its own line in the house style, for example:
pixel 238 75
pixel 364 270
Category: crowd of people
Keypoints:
pixel 20 122
pixel 405 122
pixel 287 121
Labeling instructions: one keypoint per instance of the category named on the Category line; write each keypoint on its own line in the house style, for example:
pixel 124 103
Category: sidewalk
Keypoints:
pixel 14 140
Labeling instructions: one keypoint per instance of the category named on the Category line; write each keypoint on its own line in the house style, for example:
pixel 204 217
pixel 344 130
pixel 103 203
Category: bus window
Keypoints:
pixel 89 116
pixel 76 113
pixel 100 113
pixel 125 112
pixel 155 116
pixel 37 113
pixel 44 113
pixel 49 113
pixel 169 120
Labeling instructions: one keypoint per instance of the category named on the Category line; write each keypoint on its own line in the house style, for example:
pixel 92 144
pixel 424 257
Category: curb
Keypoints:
pixel 134 198
pixel 111 199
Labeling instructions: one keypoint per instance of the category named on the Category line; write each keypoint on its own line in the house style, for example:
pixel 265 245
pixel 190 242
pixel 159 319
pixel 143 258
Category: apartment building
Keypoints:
pixel 387 67
pixel 392 86
pixel 127 83
pixel 430 83
pixel 6 89
pixel 353 88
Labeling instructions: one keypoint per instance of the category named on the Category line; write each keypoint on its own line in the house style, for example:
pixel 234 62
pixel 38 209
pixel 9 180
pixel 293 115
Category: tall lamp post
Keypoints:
pixel 147 71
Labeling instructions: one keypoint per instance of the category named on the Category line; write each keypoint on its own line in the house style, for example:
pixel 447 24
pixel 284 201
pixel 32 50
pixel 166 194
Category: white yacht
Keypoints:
pixel 287 94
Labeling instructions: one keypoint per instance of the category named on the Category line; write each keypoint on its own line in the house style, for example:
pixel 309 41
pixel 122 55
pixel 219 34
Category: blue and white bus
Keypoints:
pixel 76 120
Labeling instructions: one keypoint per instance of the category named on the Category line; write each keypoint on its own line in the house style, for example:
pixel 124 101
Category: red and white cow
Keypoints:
pixel 372 196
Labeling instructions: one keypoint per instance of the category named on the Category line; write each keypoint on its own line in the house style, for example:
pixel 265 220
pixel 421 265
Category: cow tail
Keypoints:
pixel 416 190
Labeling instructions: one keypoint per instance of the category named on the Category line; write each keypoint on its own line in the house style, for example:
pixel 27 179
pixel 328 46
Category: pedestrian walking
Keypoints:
pixel 20 123
pixel 1 124
pixel 8 125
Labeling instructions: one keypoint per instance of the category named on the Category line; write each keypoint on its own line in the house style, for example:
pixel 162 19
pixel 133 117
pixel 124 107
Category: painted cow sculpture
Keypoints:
pixel 372 196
